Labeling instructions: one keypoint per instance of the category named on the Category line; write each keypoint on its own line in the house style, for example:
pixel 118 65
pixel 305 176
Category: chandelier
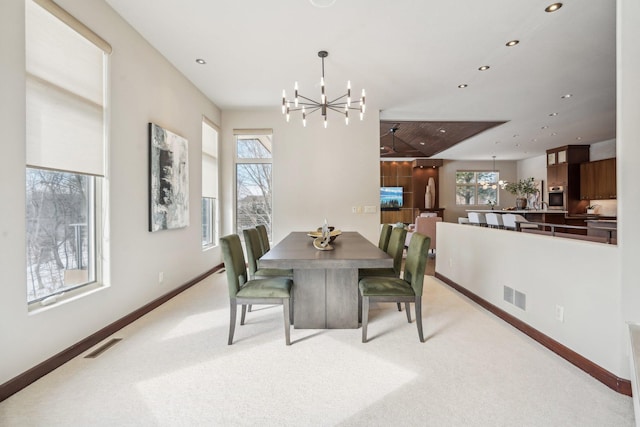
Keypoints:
pixel 501 183
pixel 307 106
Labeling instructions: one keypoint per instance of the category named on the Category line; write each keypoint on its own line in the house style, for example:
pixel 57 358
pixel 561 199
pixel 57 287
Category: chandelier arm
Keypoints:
pixel 338 98
pixel 312 111
pixel 308 99
pixel 312 104
pixel 337 110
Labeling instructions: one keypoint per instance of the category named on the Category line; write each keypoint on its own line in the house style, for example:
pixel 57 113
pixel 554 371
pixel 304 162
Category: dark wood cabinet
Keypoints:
pixel 558 174
pixel 413 178
pixel 598 180
pixel 563 169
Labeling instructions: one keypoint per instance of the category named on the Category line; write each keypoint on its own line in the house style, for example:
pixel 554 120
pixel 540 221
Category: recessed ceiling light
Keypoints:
pixel 579 138
pixel 515 136
pixel 484 68
pixel 442 130
pixel 553 7
pixel 512 43
pixel 534 140
pixel 201 61
pixel 566 96
pixel 382 148
pixel 554 134
pixel 322 3
pixel 553 114
pixel 544 127
pixel 462 86
pixel 422 143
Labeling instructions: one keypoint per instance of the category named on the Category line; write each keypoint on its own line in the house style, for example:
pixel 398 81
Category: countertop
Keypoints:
pixel 520 211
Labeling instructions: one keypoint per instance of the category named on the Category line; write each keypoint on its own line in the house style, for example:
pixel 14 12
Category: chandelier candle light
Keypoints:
pixel 307 106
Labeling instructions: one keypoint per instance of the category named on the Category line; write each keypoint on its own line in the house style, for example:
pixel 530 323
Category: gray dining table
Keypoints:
pixel 325 290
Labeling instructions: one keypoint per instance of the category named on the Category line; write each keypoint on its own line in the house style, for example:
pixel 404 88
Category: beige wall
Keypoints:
pixel 317 173
pixel 144 88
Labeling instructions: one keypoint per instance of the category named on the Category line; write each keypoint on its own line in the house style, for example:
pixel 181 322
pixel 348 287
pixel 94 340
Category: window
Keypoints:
pixel 209 184
pixel 253 179
pixel 65 98
pixel 476 188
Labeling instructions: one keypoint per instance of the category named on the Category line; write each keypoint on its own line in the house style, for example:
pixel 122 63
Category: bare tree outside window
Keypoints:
pixel 253 182
pixel 476 188
pixel 59 236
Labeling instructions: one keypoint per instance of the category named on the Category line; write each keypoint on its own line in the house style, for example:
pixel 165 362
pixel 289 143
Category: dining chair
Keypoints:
pixel 264 238
pixel 255 252
pixel 395 249
pixel 385 234
pixel 274 290
pixel 407 289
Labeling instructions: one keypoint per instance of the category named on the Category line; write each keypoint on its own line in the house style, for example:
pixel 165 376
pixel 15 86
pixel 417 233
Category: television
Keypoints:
pixel 390 198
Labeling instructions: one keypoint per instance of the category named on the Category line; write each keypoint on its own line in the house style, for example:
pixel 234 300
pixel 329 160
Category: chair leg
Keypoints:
pixel 244 312
pixel 232 320
pixel 291 311
pixel 419 317
pixel 408 310
pixel 249 308
pixel 365 317
pixel 285 309
pixel 399 306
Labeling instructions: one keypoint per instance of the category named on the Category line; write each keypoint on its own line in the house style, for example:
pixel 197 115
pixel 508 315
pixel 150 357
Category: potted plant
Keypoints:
pixel 591 209
pixel 522 190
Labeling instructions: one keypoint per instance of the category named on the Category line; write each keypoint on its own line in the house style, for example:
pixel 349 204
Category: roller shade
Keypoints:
pixel 209 161
pixel 64 96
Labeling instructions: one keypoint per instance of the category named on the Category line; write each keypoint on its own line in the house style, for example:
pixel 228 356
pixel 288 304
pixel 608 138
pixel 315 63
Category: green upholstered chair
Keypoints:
pixel 385 234
pixel 395 249
pixel 264 238
pixel 393 289
pixel 255 252
pixel 275 290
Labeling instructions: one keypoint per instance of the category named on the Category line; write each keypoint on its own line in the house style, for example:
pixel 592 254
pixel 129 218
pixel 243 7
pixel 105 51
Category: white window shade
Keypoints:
pixel 65 96
pixel 209 161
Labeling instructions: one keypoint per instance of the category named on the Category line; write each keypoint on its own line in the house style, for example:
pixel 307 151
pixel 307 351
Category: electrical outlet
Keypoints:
pixel 160 277
pixel 559 313
pixel 354 209
pixel 369 209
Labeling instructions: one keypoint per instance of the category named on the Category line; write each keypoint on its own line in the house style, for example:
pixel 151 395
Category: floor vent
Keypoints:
pixel 104 347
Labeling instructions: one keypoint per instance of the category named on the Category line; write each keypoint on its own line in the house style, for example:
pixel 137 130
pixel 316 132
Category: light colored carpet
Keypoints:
pixel 174 368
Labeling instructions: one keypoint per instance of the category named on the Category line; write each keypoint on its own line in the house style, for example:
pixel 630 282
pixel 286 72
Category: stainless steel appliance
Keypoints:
pixel 557 198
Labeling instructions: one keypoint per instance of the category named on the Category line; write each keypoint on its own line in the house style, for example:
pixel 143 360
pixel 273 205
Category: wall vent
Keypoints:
pixel 104 347
pixel 520 300
pixel 508 294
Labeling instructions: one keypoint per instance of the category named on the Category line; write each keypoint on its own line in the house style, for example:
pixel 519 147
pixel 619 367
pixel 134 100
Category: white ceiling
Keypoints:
pixel 410 56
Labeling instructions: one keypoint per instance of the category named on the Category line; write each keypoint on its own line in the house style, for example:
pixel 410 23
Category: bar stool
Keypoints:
pixel 494 220
pixel 477 218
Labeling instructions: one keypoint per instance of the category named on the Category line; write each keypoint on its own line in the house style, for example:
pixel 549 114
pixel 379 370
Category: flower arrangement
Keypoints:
pixel 522 188
pixel 491 203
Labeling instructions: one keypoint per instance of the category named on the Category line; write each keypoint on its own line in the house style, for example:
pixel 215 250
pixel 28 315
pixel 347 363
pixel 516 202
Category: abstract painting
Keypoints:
pixel 168 180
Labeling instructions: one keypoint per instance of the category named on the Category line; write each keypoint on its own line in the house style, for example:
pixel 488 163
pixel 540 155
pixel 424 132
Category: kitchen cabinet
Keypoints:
pixel 598 180
pixel 568 154
pixel 563 169
pixel 557 174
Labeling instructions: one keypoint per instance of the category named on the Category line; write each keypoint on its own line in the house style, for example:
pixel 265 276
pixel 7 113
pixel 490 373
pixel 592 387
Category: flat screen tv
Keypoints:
pixel 390 198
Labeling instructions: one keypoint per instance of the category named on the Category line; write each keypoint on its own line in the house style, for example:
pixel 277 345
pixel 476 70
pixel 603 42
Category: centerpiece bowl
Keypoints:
pixel 333 234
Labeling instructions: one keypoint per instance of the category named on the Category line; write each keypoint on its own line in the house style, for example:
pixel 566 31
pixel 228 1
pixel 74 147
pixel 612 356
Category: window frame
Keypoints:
pixel 210 221
pixel 476 184
pixel 96 197
pixel 247 134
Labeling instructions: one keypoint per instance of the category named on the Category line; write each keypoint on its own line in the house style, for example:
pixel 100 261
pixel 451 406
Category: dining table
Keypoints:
pixel 325 282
